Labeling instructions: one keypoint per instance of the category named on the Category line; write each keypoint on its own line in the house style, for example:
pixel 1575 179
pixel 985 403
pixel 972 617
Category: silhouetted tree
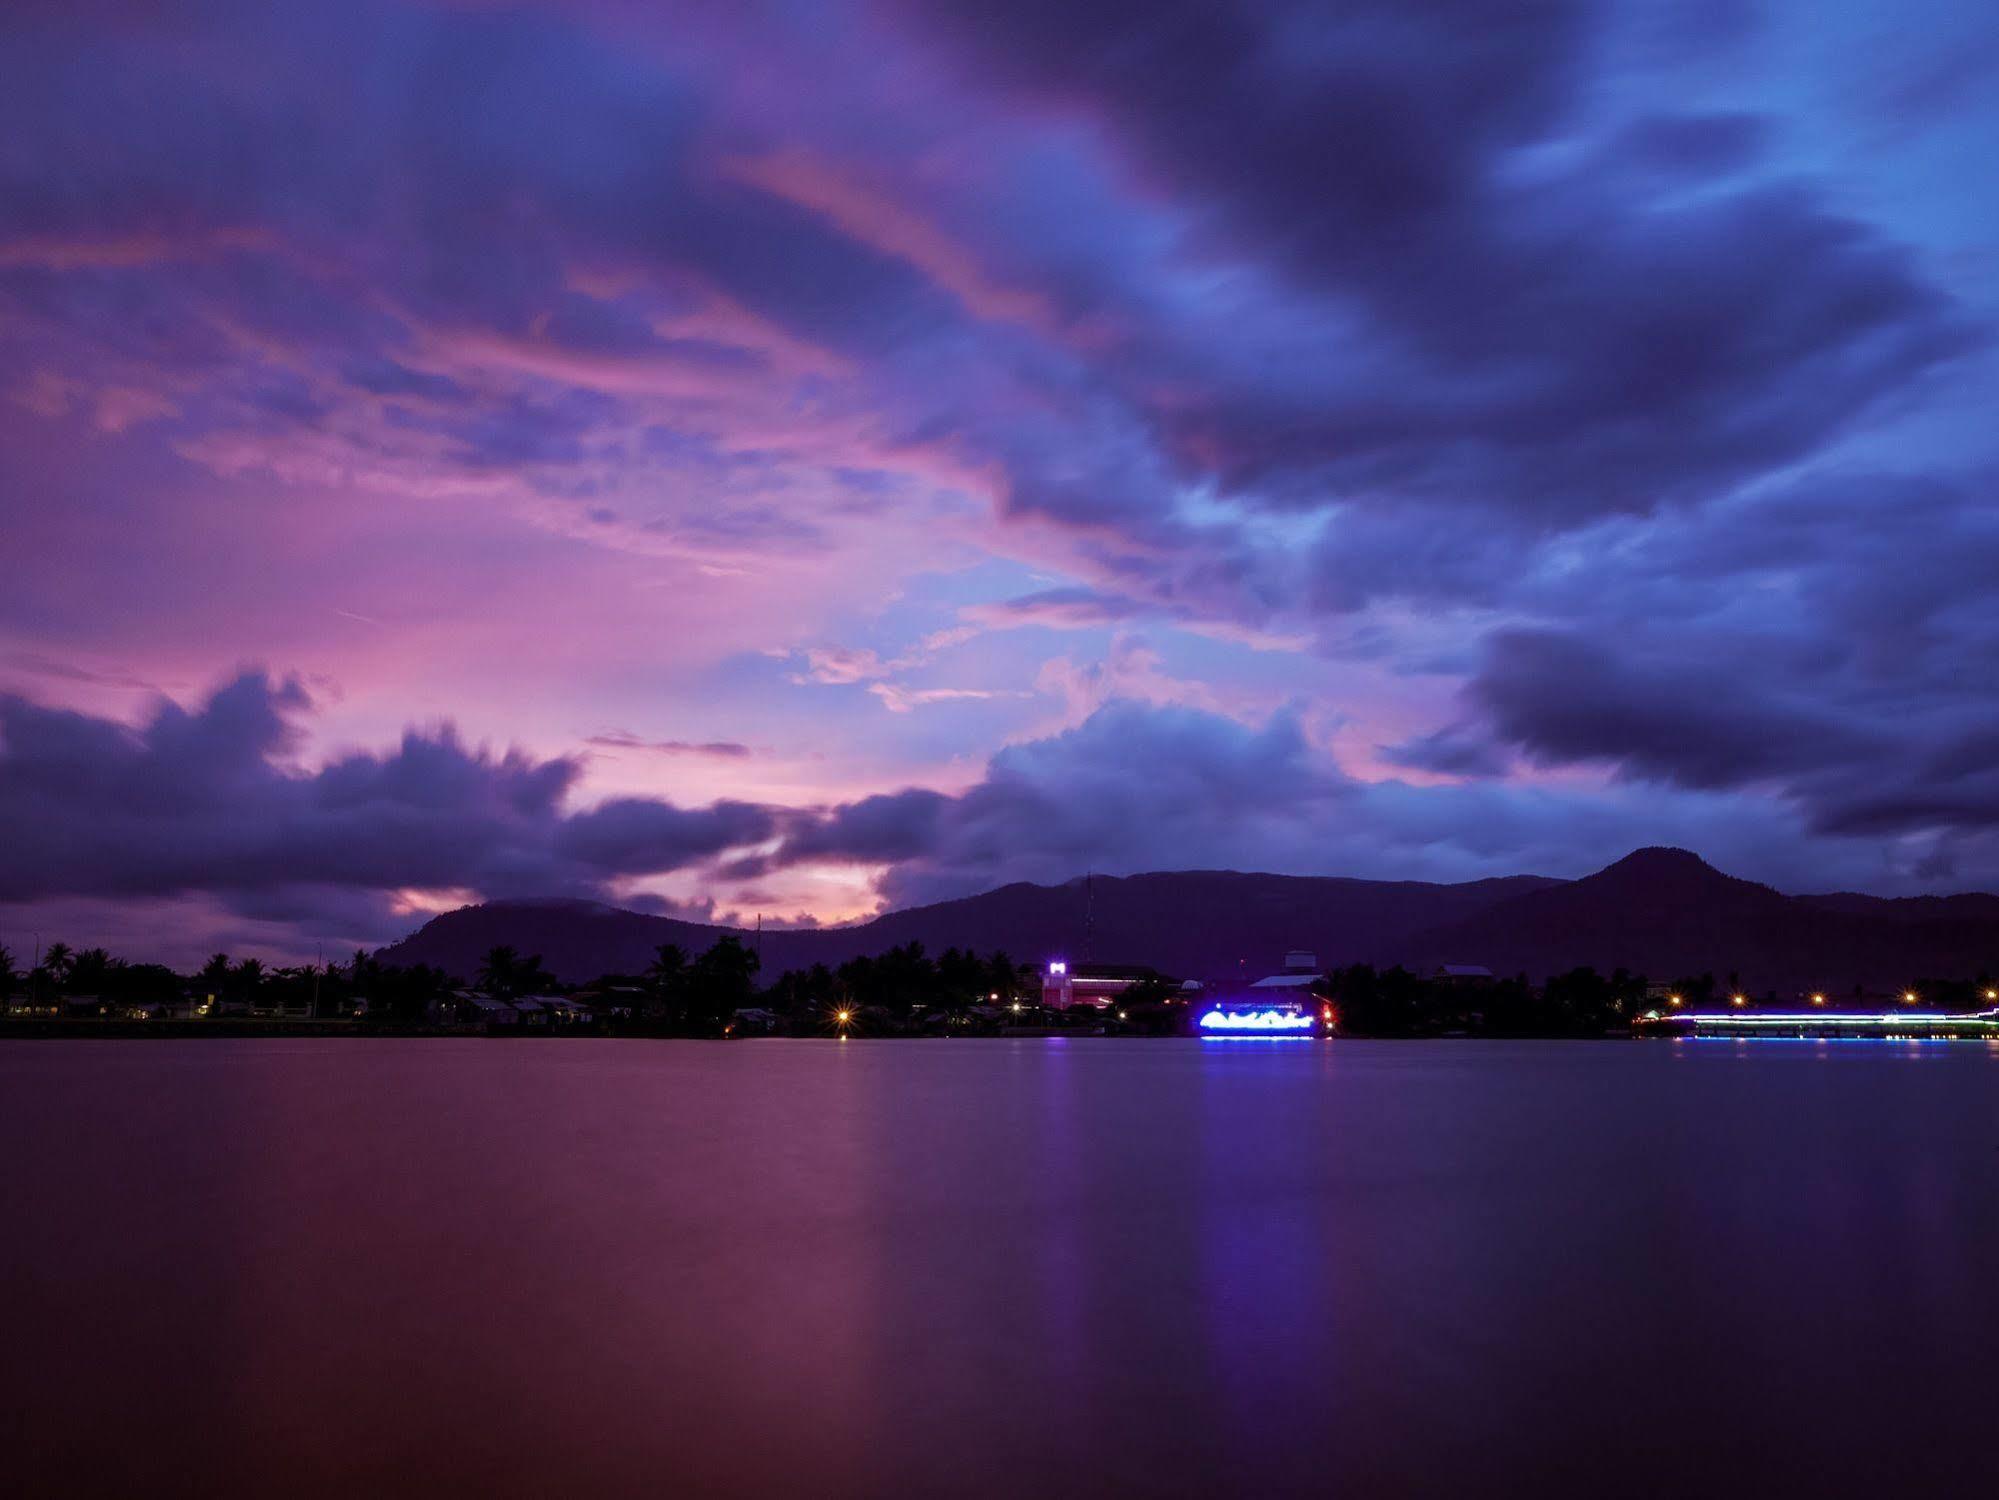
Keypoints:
pixel 1006 981
pixel 720 982
pixel 666 983
pixel 131 983
pixel 56 962
pixel 1696 991
pixel 508 976
pixel 904 978
pixel 961 980
pixel 1583 1002
pixel 213 979
pixel 89 972
pixel 404 996
pixel 1367 1002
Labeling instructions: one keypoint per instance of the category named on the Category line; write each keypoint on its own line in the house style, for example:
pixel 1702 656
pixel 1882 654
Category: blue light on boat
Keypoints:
pixel 1275 1021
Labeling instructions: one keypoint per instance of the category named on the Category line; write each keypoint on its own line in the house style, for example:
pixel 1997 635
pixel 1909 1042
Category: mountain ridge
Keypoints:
pixel 1669 914
pixel 1662 911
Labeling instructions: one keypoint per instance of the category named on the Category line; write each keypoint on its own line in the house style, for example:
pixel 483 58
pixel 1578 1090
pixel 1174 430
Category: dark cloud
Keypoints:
pixel 1450 751
pixel 1139 787
pixel 635 836
pixel 204 800
pixel 619 739
pixel 202 805
pixel 875 830
pixel 1953 789
pixel 1565 337
pixel 1213 792
pixel 1562 698
pixel 1863 745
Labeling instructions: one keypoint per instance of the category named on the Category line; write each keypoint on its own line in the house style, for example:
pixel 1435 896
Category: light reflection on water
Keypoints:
pixel 997 1268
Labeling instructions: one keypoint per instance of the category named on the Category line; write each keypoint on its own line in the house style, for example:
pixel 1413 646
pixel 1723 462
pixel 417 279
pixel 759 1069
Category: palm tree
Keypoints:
pixel 530 978
pixel 669 962
pixel 721 981
pixel 9 977
pixel 497 973
pixel 89 970
pixel 56 962
pixel 666 981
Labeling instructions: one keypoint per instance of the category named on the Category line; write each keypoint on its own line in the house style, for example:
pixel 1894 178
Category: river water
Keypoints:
pixel 999 1268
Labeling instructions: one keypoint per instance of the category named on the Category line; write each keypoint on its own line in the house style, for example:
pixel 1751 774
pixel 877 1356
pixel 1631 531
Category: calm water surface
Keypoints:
pixel 999 1268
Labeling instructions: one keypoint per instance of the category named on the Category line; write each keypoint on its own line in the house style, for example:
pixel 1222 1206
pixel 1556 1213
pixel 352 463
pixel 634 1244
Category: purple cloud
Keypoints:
pixel 204 800
pixel 1566 406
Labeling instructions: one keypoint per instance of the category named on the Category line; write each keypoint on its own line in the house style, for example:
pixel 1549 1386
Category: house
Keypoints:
pixel 490 1009
pixel 1298 984
pixel 1300 973
pixel 616 1002
pixel 755 1020
pixel 560 1010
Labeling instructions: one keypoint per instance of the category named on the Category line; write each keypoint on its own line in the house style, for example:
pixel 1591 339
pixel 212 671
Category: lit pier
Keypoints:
pixel 1899 1024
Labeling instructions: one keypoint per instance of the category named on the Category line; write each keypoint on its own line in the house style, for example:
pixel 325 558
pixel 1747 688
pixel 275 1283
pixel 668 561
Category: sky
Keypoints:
pixel 800 459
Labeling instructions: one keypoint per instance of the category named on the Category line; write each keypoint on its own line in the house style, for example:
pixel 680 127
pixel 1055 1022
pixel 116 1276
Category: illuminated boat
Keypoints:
pixel 1258 1018
pixel 1888 1024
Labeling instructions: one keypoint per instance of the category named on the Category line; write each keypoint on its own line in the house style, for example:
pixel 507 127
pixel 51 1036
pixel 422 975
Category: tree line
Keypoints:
pixel 699 994
pixel 678 992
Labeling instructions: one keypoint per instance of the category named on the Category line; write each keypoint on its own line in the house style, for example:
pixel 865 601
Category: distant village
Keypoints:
pixel 721 994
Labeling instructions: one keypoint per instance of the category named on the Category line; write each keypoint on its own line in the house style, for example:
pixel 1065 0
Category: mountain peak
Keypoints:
pixel 1661 873
pixel 1661 859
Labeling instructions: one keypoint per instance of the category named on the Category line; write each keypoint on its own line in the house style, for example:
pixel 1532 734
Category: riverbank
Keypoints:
pixel 238 1028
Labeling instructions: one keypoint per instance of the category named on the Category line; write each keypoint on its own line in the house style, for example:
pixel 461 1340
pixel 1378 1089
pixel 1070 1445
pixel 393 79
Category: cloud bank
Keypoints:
pixel 1371 436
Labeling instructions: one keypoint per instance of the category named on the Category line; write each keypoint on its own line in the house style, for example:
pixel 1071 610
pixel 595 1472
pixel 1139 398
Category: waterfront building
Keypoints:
pixel 1066 986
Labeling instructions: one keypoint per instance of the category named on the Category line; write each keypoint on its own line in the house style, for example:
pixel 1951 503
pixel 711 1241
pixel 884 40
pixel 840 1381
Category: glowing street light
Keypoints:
pixel 1738 999
pixel 1908 997
pixel 1818 999
pixel 1672 999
